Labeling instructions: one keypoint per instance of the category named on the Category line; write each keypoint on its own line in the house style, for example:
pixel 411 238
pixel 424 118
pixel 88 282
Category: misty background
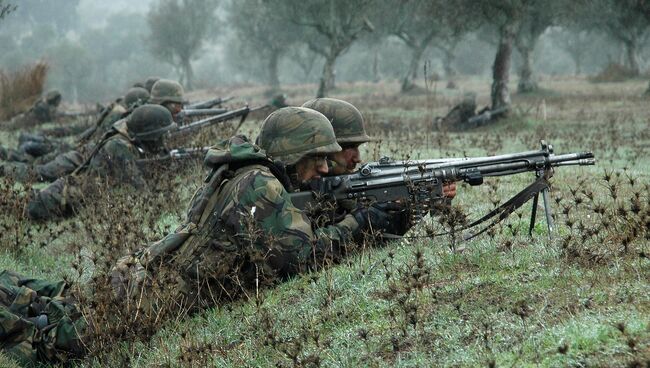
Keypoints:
pixel 97 50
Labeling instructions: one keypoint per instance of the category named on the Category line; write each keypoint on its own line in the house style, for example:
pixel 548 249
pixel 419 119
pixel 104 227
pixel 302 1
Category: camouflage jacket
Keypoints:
pixel 36 322
pixel 114 158
pixel 109 116
pixel 241 230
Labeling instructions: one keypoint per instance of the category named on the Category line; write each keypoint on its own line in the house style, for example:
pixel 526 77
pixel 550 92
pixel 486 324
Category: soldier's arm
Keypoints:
pixel 294 243
pixel 117 160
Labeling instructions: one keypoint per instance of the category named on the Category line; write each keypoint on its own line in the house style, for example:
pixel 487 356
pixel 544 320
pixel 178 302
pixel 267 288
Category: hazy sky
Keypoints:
pixel 95 12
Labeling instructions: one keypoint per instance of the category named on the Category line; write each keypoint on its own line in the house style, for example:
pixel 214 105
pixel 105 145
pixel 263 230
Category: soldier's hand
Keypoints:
pixel 449 190
pixel 372 217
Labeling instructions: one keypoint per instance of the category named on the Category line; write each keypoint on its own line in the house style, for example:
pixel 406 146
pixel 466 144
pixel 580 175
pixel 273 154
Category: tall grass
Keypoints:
pixel 19 89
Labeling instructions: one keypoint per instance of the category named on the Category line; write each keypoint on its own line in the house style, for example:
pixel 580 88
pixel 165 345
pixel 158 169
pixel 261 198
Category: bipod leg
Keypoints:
pixel 533 215
pixel 549 214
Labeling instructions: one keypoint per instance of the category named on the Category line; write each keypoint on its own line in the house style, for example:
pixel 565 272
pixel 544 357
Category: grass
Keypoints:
pixel 506 300
pixel 19 90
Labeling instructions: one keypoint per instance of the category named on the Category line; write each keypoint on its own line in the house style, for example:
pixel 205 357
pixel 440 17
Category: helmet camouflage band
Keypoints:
pixel 346 119
pixel 148 84
pixel 53 97
pixel 136 95
pixel 149 122
pixel 165 90
pixel 291 133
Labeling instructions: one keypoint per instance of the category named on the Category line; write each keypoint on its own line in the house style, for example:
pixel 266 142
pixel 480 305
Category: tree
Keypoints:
pixel 329 28
pixel 178 30
pixel 626 21
pixel 575 42
pixel 536 17
pixel 6 8
pixel 516 21
pixel 259 28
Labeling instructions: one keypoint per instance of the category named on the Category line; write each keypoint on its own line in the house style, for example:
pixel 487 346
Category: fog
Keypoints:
pixel 96 49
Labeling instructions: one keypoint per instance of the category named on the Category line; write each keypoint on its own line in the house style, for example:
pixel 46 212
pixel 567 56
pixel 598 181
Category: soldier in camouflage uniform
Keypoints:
pixel 139 136
pixel 53 166
pixel 36 322
pixel 169 94
pixel 242 228
pixel 149 82
pixel 43 110
pixel 349 127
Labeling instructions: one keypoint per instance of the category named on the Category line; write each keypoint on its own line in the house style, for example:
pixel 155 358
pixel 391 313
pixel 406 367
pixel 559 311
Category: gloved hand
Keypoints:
pixel 371 217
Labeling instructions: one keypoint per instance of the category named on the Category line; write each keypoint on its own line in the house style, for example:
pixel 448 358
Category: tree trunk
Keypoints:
pixel 632 56
pixel 408 81
pixel 526 82
pixel 188 73
pixel 448 64
pixel 274 80
pixel 327 78
pixel 501 68
pixel 375 68
pixel 647 91
pixel 577 59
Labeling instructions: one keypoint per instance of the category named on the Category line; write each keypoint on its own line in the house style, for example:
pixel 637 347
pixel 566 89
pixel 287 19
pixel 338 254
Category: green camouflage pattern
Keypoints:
pixel 241 229
pixel 115 159
pixel 165 90
pixel 346 119
pixel 149 82
pixel 290 133
pixel 135 96
pixel 37 323
pixel 62 165
pixel 150 122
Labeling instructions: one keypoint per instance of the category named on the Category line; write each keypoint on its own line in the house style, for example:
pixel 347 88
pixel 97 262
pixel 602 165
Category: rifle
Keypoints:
pixel 241 112
pixel 208 104
pixel 486 116
pixel 420 183
pixel 176 154
pixel 188 113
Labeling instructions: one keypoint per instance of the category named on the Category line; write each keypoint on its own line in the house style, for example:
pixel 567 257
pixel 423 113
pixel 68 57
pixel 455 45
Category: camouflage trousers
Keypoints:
pixel 37 324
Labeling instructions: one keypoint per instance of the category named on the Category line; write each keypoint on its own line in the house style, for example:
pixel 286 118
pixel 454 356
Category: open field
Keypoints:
pixel 504 299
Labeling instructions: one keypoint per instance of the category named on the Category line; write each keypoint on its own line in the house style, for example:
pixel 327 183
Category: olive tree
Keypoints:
pixel 329 28
pixel 179 29
pixel 260 29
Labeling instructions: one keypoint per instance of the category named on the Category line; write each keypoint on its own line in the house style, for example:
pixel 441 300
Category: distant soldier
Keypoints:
pixel 149 82
pixel 139 136
pixel 169 94
pixel 43 110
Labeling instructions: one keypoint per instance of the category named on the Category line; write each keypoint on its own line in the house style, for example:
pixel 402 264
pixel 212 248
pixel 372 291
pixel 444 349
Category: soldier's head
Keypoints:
pixel 149 82
pixel 301 139
pixel 348 125
pixel 53 97
pixel 169 94
pixel 149 124
pixel 135 96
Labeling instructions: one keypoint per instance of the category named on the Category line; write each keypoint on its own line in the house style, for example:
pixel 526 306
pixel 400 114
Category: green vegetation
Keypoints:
pixel 503 299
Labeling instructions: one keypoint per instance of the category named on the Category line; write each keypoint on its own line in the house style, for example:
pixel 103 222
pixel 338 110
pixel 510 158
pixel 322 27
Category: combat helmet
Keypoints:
pixel 53 97
pixel 165 90
pixel 136 95
pixel 149 122
pixel 149 82
pixel 290 133
pixel 346 119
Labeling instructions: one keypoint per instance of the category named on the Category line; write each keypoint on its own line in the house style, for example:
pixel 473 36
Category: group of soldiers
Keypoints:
pixel 241 230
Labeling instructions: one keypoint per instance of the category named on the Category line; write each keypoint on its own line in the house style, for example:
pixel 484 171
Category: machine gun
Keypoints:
pixel 241 112
pixel 208 104
pixel 419 184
